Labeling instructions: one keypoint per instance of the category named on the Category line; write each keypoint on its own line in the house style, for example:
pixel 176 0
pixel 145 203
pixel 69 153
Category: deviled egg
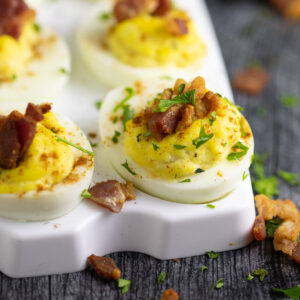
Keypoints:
pixel 181 143
pixel 34 61
pixel 126 40
pixel 45 163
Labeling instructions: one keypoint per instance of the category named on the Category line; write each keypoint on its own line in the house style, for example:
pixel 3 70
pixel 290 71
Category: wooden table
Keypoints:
pixel 247 31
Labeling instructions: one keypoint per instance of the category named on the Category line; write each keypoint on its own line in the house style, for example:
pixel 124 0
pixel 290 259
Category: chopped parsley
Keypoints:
pixel 261 273
pixel 36 27
pixel 93 145
pixel 130 94
pixel 210 206
pixel 104 16
pixel 238 155
pixel 185 98
pixel 85 194
pixel 161 278
pixel 219 284
pixel 14 77
pixel 185 180
pixel 128 114
pixel 98 104
pixel 267 186
pixel 203 268
pixel 116 136
pixel 291 178
pixel 289 101
pixel 181 88
pixel 261 111
pixel 147 134
pixel 212 254
pixel 293 293
pixel 245 175
pixel 258 165
pixel 60 139
pixel 271 226
pixel 63 71
pixel 155 146
pixel 203 138
pixel 179 147
pixel 124 285
pixel 243 133
pixel 138 137
pixel 115 120
pixel 167 77
pixel 213 117
pixel 199 170
pixel 126 166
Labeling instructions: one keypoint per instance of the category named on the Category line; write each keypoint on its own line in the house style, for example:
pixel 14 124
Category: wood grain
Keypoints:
pixel 247 30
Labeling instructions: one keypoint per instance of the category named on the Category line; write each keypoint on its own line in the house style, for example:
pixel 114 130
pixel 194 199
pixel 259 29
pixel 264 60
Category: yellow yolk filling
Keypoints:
pixel 144 42
pixel 167 162
pixel 14 54
pixel 45 163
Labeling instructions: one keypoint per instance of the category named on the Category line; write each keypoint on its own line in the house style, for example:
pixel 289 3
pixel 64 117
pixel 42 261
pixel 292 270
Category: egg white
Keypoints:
pixel 62 197
pixel 204 187
pixel 108 69
pixel 42 77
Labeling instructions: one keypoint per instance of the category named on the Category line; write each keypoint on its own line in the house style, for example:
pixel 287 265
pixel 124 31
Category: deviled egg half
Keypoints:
pixel 34 61
pixel 45 163
pixel 183 143
pixel 126 40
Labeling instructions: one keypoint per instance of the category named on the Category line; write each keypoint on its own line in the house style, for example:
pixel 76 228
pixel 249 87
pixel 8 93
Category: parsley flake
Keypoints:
pixel 185 180
pixel 181 88
pixel 267 186
pixel 93 145
pixel 245 175
pixel 179 147
pixel 128 114
pixel 219 284
pixel 126 166
pixel 155 146
pixel 212 254
pixel 238 155
pixel 271 226
pixel 98 104
pixel 63 71
pixel 116 136
pixel 291 178
pixel 147 134
pixel 261 111
pixel 203 138
pixel 104 16
pixel 210 206
pixel 261 273
pixel 36 27
pixel 293 293
pixel 85 194
pixel 138 137
pixel 289 101
pixel 130 94
pixel 60 139
pixel 161 278
pixel 124 285
pixel 213 117
pixel 243 133
pixel 203 268
pixel 14 77
pixel 199 170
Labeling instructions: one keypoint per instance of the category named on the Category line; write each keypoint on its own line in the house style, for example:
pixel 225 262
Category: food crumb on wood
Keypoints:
pixel 169 294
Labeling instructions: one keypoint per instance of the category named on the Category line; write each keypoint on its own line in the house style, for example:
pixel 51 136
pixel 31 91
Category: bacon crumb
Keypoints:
pixel 112 194
pixel 176 260
pixel 104 267
pixel 176 26
pixel 259 229
pixel 169 294
pixel 251 80
pixel 289 8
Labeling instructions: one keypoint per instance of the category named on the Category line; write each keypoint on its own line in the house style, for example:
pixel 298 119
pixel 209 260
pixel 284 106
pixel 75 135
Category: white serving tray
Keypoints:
pixel 149 225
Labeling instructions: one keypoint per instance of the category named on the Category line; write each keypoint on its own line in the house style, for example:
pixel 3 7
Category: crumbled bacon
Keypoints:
pixel 111 194
pixel 286 235
pixel 162 124
pixel 13 14
pixel 127 9
pixel 251 80
pixel 17 132
pixel 169 294
pixel 208 103
pixel 176 26
pixel 187 117
pixel 289 8
pixel 104 267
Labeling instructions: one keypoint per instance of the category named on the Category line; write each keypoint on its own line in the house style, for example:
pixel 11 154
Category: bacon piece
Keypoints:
pixel 164 123
pixel 286 235
pixel 169 294
pixel 259 229
pixel 127 9
pixel 176 26
pixel 188 115
pixel 251 80
pixel 17 132
pixel 111 194
pixel 167 94
pixel 164 7
pixel 104 267
pixel 296 253
pixel 13 15
pixel 209 103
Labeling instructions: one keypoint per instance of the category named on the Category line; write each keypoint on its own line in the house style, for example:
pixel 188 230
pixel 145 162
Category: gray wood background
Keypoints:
pixel 247 31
